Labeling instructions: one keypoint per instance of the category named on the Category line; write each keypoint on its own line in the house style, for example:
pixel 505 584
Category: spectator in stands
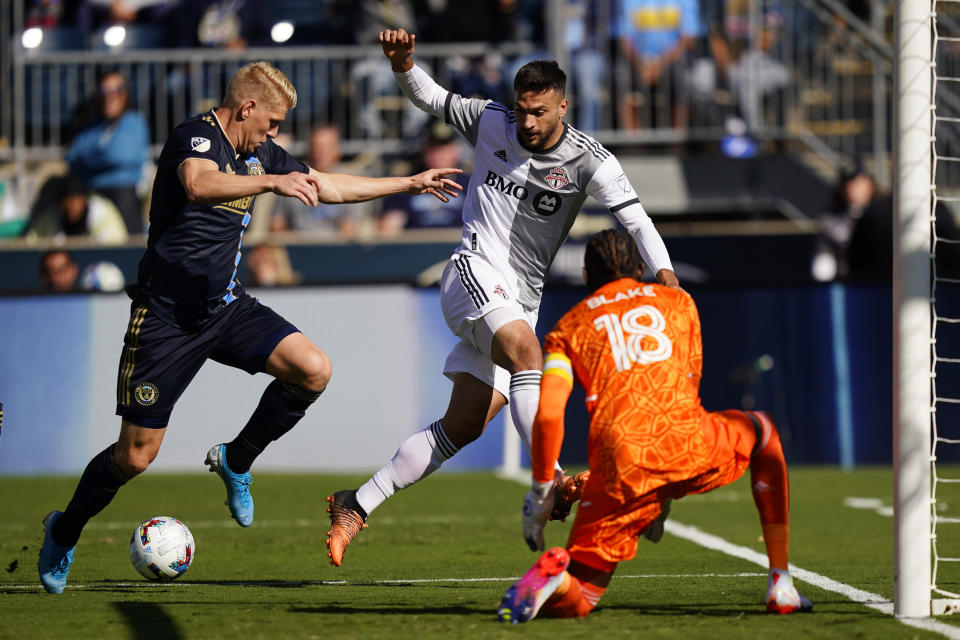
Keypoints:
pixel 269 266
pixel 109 154
pixel 108 12
pixel 228 24
pixel 835 227
pixel 656 36
pixel 871 244
pixel 855 237
pixel 744 43
pixel 48 14
pixel 440 149
pixel 78 213
pixel 324 155
pixel 58 271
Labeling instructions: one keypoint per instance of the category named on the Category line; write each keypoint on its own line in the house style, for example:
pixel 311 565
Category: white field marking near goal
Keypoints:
pixel 872 600
pixel 364 583
pixel 869 504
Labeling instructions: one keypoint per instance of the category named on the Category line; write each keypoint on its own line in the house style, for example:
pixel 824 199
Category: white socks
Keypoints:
pixel 524 400
pixel 420 455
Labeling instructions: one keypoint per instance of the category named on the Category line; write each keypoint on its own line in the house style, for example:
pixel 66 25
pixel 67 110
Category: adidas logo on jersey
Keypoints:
pixel 501 153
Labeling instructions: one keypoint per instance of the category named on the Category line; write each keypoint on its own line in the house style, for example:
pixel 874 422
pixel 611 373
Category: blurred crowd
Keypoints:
pixel 633 64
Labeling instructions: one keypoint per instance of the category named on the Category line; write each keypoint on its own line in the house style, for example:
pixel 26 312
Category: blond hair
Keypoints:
pixel 263 82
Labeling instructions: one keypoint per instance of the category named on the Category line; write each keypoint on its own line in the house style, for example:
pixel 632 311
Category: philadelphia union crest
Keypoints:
pixel 254 168
pixel 146 393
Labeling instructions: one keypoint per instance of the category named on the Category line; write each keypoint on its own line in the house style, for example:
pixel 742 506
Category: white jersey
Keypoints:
pixel 519 205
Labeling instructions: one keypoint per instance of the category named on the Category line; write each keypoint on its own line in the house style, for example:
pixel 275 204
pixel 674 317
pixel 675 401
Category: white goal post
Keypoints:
pixel 912 359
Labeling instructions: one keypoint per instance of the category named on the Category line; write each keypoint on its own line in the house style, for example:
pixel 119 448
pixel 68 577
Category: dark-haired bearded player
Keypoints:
pixel 532 173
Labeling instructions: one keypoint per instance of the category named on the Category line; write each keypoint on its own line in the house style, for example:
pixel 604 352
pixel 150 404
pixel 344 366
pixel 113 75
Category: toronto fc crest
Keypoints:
pixel 557 178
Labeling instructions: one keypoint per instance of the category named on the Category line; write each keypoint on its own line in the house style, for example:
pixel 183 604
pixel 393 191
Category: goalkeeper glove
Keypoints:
pixel 536 510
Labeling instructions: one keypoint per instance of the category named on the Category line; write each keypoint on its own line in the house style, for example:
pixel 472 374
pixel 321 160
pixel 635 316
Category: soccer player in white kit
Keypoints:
pixel 531 175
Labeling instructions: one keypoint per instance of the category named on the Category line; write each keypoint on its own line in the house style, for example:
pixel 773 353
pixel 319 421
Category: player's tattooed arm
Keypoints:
pixel 204 183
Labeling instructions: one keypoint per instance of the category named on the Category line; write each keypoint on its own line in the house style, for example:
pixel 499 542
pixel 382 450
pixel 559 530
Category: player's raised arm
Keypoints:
pixel 415 83
pixel 341 187
pixel 204 183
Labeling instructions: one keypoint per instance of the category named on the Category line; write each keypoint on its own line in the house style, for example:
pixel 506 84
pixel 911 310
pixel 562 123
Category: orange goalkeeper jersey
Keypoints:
pixel 636 350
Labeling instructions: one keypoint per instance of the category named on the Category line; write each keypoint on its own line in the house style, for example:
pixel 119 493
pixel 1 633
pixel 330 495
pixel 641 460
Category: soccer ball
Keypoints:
pixel 162 548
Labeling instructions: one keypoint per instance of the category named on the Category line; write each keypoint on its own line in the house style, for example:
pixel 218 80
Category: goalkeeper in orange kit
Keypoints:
pixel 636 349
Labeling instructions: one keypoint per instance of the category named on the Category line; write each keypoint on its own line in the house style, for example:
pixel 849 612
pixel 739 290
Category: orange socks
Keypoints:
pixel 573 599
pixel 771 493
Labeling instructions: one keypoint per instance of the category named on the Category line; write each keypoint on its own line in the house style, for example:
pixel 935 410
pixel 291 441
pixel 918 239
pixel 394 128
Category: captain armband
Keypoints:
pixel 557 364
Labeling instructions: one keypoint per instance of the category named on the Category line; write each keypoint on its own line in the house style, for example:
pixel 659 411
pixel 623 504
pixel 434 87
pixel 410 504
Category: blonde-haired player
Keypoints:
pixel 636 350
pixel 188 305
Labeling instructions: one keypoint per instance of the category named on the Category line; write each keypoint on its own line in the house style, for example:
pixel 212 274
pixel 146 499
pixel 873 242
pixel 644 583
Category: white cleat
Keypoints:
pixel 782 596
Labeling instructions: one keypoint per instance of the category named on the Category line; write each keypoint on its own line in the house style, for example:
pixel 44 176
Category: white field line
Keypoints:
pixel 348 583
pixel 716 543
pixel 860 596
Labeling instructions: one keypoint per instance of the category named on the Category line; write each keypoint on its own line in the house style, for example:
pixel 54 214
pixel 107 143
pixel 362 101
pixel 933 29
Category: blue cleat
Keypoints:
pixel 523 598
pixel 54 562
pixel 238 485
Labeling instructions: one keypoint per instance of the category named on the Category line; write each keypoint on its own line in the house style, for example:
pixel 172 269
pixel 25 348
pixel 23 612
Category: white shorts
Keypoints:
pixel 476 301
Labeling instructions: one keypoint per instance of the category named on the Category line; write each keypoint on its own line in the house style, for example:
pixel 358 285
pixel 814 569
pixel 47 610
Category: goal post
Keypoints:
pixel 913 136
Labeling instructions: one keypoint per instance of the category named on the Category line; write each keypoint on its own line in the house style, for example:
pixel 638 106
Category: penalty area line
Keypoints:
pixel 871 600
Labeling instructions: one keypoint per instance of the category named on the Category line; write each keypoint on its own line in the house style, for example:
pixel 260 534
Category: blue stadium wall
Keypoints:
pixel 818 358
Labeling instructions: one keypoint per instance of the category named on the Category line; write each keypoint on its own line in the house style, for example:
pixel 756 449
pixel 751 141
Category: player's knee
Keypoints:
pixel 462 429
pixel 516 348
pixel 134 461
pixel 316 371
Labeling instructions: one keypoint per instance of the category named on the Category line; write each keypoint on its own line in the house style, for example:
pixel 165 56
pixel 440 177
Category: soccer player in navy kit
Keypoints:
pixel 188 305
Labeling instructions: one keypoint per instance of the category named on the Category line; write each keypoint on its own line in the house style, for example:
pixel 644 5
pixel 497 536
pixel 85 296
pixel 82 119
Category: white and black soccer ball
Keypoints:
pixel 162 548
pixel 102 276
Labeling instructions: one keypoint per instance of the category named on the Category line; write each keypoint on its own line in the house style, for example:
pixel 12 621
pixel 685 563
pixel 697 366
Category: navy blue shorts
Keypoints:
pixel 159 361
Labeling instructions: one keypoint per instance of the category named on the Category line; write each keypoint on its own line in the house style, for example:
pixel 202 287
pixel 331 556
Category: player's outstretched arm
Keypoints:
pixel 342 187
pixel 204 183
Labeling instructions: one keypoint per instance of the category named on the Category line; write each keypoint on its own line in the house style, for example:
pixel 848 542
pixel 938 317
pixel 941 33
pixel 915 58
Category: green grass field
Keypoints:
pixel 434 563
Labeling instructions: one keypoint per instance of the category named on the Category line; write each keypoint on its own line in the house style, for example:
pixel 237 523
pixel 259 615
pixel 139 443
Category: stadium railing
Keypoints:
pixel 809 73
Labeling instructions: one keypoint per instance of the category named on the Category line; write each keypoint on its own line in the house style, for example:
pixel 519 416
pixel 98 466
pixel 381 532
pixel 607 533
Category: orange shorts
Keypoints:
pixel 606 528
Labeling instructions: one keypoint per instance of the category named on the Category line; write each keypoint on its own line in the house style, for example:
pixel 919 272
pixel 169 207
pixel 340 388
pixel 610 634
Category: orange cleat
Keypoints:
pixel 566 491
pixel 345 524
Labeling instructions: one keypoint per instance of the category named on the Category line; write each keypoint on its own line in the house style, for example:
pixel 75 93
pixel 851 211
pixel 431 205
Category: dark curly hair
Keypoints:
pixel 611 255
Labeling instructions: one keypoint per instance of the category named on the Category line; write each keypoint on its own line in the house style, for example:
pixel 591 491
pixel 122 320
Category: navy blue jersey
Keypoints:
pixel 190 266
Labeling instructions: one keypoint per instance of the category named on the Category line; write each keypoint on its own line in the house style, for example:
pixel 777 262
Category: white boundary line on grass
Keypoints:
pixel 715 543
pixel 385 582
pixel 872 600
